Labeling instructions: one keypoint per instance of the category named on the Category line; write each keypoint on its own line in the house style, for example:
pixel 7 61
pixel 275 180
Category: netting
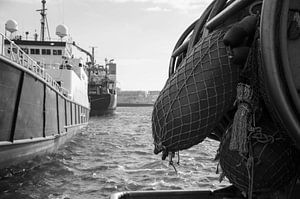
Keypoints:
pixel 271 165
pixel 195 97
pixel 255 154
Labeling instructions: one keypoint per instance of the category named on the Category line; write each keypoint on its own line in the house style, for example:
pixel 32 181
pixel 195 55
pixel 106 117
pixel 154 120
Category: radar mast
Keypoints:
pixel 44 20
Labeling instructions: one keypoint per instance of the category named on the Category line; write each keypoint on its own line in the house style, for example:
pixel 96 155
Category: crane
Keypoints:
pixel 86 52
pixel 91 55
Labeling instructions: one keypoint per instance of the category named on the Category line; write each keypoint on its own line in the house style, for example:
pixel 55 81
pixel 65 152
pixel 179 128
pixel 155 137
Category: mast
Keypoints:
pixel 92 63
pixel 43 19
pixel 93 56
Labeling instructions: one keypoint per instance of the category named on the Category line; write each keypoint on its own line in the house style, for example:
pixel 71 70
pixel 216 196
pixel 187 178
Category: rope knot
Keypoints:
pixel 242 118
pixel 244 94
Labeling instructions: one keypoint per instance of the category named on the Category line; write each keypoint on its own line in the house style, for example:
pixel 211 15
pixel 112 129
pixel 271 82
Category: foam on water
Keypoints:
pixel 114 154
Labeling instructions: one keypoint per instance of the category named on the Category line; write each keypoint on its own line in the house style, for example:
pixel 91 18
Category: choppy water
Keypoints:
pixel 115 153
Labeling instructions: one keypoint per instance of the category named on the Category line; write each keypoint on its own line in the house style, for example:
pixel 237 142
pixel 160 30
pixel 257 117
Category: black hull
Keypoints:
pixel 35 118
pixel 102 104
pixel 133 105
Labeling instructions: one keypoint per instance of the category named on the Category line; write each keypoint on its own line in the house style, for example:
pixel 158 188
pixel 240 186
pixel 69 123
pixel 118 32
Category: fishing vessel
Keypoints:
pixel 102 88
pixel 102 81
pixel 44 93
pixel 234 77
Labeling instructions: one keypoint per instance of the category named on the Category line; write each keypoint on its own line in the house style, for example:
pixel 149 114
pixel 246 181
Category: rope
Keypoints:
pixel 250 170
pixel 244 124
pixel 171 163
pixel 171 155
pixel 247 100
pixel 242 119
pixel 178 160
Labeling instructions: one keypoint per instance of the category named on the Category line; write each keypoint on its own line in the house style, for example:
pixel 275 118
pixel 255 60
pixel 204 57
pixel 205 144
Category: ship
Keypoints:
pixel 102 88
pixel 234 78
pixel 102 80
pixel 44 93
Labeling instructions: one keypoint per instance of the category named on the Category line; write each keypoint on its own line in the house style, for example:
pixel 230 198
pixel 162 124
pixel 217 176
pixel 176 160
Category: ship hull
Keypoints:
pixel 13 153
pixel 102 104
pixel 35 118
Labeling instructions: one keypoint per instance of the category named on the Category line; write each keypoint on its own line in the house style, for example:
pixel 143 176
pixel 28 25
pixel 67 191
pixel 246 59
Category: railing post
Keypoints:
pixel 22 58
pixel 2 45
pixel 25 62
pixel 10 52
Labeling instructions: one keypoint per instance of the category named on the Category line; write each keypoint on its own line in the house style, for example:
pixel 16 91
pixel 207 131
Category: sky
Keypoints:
pixel 138 34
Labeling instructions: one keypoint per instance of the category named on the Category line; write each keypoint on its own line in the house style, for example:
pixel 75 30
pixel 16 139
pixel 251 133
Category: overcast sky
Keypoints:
pixel 138 34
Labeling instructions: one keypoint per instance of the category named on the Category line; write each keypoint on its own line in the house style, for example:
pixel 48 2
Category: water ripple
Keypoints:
pixel 115 153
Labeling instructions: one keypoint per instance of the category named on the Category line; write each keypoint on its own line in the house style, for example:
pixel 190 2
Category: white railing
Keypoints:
pixel 14 53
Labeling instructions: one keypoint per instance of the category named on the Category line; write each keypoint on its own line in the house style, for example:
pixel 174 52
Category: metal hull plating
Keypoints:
pixel 35 118
pixel 13 153
pixel 102 104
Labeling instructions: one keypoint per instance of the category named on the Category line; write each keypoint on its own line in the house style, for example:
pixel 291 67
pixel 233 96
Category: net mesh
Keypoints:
pixel 274 159
pixel 195 97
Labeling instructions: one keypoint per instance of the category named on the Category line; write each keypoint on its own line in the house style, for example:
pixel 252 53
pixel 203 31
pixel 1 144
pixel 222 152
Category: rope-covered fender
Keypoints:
pixel 195 97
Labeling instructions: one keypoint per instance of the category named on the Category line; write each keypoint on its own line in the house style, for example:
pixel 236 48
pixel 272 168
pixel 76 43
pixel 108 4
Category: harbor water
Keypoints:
pixel 114 153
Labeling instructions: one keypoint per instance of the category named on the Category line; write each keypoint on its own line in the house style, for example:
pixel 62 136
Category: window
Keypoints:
pixel 57 52
pixel 34 51
pixel 46 52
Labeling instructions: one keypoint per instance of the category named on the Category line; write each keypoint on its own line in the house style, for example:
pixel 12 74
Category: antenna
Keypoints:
pixel 93 55
pixel 43 20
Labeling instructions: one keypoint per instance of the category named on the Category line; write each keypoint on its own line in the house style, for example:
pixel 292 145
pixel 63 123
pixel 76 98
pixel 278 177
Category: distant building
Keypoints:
pixel 154 93
pixel 137 97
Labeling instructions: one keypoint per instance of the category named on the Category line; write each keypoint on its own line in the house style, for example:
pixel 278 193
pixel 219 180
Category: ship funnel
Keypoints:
pixel 61 31
pixel 11 26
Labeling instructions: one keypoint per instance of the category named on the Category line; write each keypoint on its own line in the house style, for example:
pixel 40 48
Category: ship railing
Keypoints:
pixel 14 53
